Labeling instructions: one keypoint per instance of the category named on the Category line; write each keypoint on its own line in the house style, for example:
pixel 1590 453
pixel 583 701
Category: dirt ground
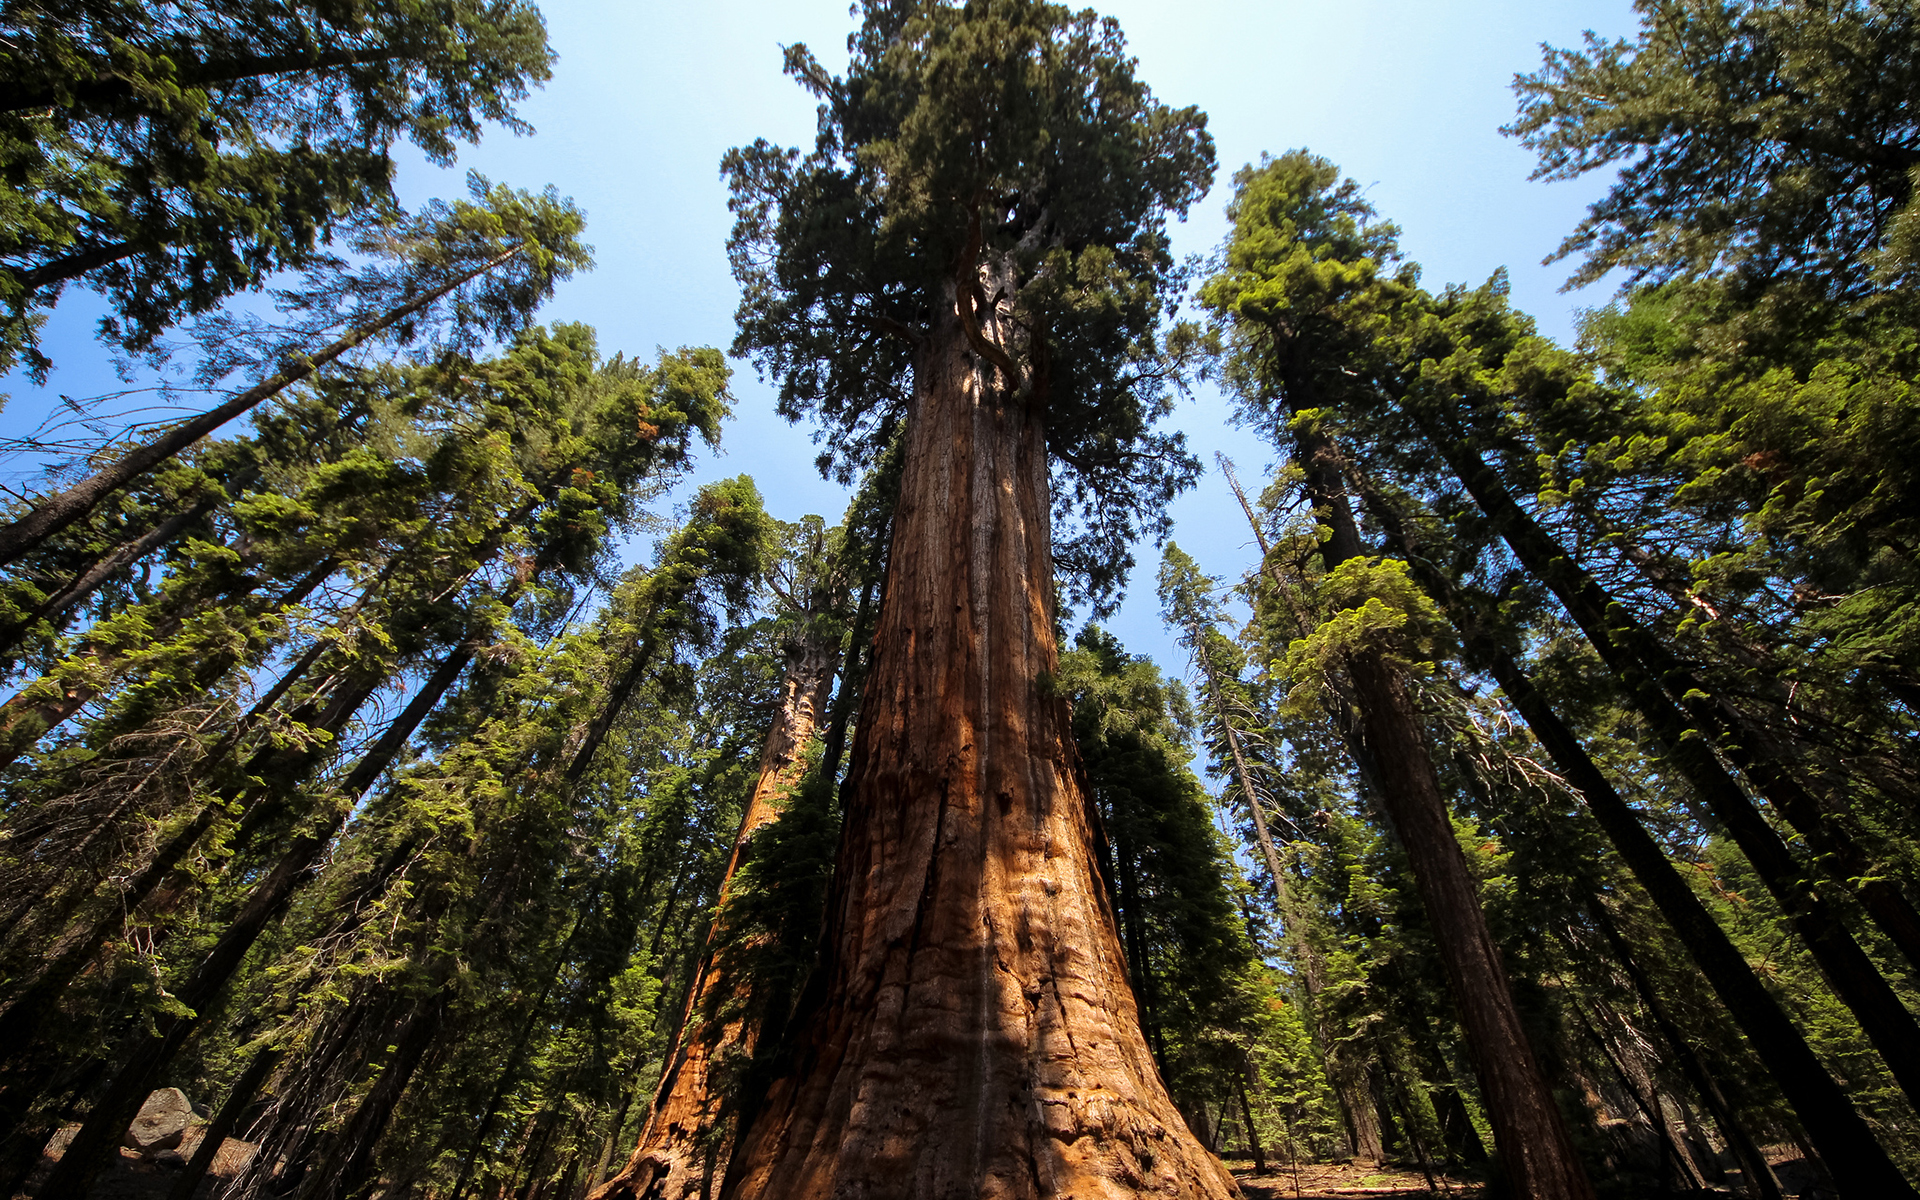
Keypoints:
pixel 1322 1181
pixel 137 1179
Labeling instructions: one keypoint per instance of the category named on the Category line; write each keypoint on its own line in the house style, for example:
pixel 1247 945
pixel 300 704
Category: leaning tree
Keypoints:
pixel 974 257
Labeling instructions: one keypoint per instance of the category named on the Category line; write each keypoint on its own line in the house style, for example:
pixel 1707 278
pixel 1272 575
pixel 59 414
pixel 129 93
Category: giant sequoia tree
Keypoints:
pixel 980 230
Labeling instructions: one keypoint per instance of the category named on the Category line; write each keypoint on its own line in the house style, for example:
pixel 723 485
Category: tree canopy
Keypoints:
pixel 1004 131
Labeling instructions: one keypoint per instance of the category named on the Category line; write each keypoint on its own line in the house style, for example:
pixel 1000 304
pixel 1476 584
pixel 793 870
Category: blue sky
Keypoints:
pixel 1406 97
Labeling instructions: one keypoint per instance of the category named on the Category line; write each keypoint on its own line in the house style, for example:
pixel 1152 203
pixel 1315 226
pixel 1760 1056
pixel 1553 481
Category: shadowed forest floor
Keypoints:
pixel 1324 1181
pixel 134 1178
pixel 1317 1181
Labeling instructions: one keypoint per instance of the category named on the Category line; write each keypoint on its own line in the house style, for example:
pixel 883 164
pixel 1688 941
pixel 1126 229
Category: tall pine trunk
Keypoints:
pixel 1845 1141
pixel 1843 1138
pixel 971 1032
pixel 1528 1130
pixel 1616 638
pixel 148 1057
pixel 57 606
pixel 686 1133
pixel 50 514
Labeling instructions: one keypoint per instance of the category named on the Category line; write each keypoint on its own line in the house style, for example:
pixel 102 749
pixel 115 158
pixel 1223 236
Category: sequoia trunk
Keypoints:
pixel 685 1134
pixel 972 1033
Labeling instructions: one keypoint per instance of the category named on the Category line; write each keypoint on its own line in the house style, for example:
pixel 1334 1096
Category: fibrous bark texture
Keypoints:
pixel 973 1034
pixel 686 1135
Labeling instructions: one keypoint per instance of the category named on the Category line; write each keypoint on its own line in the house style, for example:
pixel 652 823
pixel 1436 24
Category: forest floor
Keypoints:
pixel 1326 1181
pixel 137 1178
pixel 1323 1181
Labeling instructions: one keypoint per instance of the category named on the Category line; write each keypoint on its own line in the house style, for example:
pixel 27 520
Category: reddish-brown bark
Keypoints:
pixel 685 1137
pixel 974 1034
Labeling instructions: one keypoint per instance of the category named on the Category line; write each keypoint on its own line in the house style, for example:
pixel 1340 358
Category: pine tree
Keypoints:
pixel 1300 254
pixel 544 449
pixel 171 157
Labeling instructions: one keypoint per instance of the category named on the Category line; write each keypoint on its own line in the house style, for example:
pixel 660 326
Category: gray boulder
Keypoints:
pixel 161 1124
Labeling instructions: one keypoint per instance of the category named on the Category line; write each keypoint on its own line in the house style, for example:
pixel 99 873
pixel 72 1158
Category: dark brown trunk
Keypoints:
pixel 113 1112
pixel 111 88
pixel 1357 1110
pixel 1253 1135
pixel 1344 1074
pixel 20 1023
pixel 354 1169
pixel 973 1033
pixel 1644 1092
pixel 1529 1133
pixel 28 716
pixel 1816 804
pixel 1133 933
pixel 1821 1103
pixel 1824 1108
pixel 55 608
pixel 1681 1051
pixel 852 674
pixel 688 1129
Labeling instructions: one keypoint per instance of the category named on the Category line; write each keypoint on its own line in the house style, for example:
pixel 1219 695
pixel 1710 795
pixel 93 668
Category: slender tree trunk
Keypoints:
pixel 516 1056
pixel 1817 806
pixel 610 1142
pixel 1859 984
pixel 852 673
pixel 223 1123
pixel 1253 1134
pixel 108 87
pixel 1823 1106
pixel 1646 1099
pixel 1343 1074
pixel 973 1034
pixel 1529 1133
pixel 416 1036
pixel 687 1129
pixel 35 710
pixel 1732 1129
pixel 114 1111
pixel 55 607
pixel 78 893
pixel 21 1021
pixel 1133 935
pixel 54 513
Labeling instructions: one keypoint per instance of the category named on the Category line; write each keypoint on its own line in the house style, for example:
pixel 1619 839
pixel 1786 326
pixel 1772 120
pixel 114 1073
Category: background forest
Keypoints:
pixel 412 755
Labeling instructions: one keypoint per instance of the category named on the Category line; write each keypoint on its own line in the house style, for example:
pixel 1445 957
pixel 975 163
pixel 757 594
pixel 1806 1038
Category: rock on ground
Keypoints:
pixel 162 1122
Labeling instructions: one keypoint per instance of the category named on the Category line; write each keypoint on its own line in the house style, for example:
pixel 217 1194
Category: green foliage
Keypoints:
pixel 1767 141
pixel 1001 131
pixel 169 157
pixel 1371 603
